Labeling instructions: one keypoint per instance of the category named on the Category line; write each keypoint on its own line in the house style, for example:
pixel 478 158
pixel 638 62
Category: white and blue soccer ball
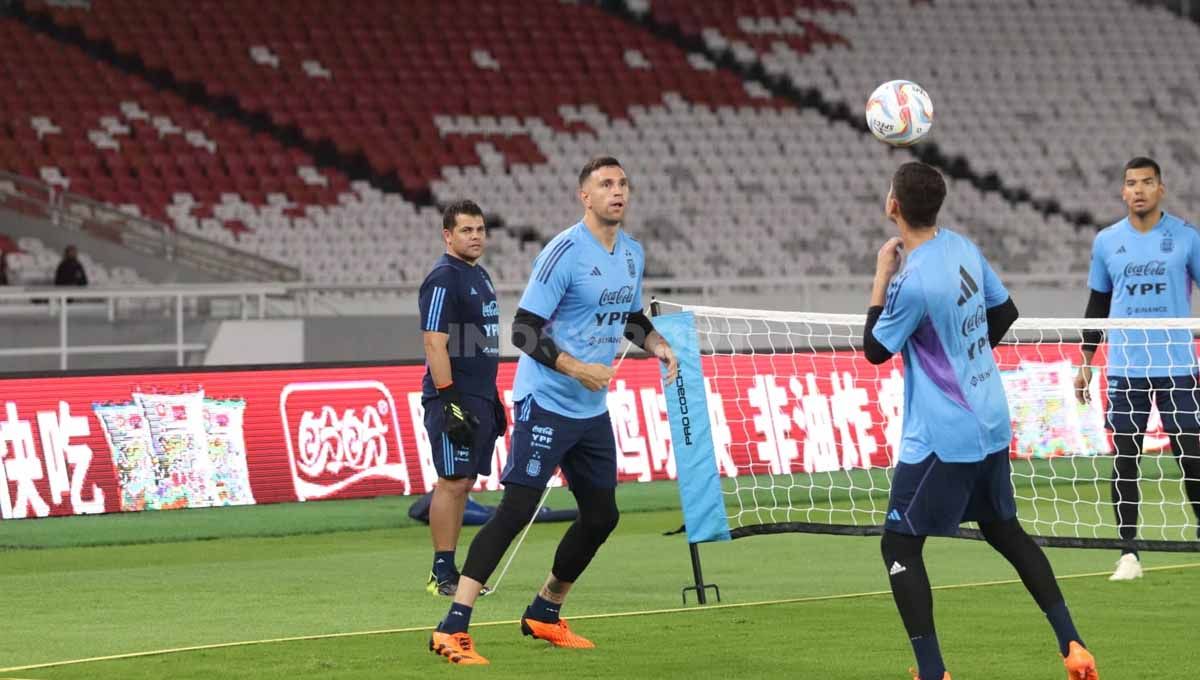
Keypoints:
pixel 900 112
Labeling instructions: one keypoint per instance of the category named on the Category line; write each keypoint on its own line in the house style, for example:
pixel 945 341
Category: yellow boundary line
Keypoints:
pixel 584 617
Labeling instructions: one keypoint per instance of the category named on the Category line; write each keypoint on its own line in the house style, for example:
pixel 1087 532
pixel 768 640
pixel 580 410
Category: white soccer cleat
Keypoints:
pixel 1129 567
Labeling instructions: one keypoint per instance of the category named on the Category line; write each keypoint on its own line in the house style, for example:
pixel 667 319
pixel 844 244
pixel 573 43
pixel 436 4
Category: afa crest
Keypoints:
pixel 629 263
pixel 1167 244
pixel 534 468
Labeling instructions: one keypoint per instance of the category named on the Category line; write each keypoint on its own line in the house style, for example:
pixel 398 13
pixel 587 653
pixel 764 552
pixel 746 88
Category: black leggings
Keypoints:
pixel 598 517
pixel 1126 493
pixel 910 582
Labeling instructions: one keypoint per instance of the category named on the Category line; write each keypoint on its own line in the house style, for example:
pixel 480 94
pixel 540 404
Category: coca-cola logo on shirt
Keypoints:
pixel 1151 268
pixel 621 296
pixel 975 321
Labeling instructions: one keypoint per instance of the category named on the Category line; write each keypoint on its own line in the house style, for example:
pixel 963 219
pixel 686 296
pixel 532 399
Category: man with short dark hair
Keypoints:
pixel 464 413
pixel 1143 267
pixel 946 310
pixel 584 295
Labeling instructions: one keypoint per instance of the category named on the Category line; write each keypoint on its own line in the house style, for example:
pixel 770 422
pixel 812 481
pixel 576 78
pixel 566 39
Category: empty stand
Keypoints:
pixel 1052 97
pixel 502 102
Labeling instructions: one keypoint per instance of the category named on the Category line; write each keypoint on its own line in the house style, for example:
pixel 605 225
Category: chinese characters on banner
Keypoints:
pixel 128 442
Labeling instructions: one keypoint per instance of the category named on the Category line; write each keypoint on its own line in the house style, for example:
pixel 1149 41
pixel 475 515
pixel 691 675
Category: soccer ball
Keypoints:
pixel 899 112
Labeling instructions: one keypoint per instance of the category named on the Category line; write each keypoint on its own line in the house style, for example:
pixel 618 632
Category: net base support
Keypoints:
pixel 968 533
pixel 701 588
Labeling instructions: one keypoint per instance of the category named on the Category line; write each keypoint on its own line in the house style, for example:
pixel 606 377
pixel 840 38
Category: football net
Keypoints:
pixel 806 430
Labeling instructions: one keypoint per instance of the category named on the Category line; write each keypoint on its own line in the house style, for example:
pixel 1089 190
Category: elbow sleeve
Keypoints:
pixel 874 350
pixel 638 328
pixel 529 336
pixel 1000 318
pixel 1098 307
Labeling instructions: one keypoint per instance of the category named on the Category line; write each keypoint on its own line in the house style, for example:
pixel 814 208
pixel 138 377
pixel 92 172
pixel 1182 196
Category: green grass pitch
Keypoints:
pixel 88 587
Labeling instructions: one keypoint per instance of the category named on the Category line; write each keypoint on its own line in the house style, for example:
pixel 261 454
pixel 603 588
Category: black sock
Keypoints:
pixel 457 620
pixel 543 610
pixel 443 565
pixel 929 657
pixel 1064 628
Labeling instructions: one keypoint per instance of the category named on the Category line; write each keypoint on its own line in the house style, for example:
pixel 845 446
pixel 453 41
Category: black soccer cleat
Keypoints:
pixel 448 587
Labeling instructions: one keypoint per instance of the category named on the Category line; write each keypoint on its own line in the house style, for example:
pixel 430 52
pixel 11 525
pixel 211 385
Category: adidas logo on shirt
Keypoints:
pixel 897 568
pixel 894 515
pixel 1121 250
pixel 473 291
pixel 596 271
pixel 967 285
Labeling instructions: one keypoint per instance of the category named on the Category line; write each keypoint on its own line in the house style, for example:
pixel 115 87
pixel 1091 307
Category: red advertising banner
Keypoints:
pixel 129 442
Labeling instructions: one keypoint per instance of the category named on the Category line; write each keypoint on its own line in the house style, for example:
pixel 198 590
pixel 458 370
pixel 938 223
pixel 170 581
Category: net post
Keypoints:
pixel 701 588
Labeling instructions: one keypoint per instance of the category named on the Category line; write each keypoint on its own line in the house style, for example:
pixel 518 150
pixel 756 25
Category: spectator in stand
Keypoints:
pixel 3 268
pixel 70 271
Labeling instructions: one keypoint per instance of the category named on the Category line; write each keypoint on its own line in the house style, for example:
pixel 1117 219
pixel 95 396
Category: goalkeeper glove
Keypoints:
pixel 500 415
pixel 460 423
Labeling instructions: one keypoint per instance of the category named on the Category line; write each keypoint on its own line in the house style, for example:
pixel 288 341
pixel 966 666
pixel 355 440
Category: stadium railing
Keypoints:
pixel 63 302
pixel 148 237
pixel 302 299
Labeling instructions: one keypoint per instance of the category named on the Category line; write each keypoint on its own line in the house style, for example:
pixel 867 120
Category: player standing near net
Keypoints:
pixel 585 294
pixel 946 310
pixel 463 411
pixel 1143 268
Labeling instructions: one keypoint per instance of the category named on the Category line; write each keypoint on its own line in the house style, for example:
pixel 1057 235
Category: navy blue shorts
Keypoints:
pixel 932 498
pixel 452 461
pixel 543 440
pixel 1129 404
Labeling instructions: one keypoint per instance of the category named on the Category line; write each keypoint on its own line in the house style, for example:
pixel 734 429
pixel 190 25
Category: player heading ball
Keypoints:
pixel 945 309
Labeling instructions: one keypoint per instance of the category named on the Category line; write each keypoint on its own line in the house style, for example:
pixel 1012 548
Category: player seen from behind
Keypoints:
pixel 945 309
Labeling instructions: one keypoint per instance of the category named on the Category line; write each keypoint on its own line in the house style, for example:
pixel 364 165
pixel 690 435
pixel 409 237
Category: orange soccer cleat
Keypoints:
pixel 557 633
pixel 917 676
pixel 1080 663
pixel 457 647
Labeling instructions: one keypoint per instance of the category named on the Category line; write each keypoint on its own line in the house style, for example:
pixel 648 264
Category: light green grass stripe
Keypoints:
pixel 512 622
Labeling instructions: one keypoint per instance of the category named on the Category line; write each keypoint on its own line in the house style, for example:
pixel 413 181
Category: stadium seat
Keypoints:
pixel 730 181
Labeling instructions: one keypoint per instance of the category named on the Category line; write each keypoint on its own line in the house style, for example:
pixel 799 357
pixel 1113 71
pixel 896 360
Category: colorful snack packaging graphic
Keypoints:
pixel 183 470
pixel 223 425
pixel 128 435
